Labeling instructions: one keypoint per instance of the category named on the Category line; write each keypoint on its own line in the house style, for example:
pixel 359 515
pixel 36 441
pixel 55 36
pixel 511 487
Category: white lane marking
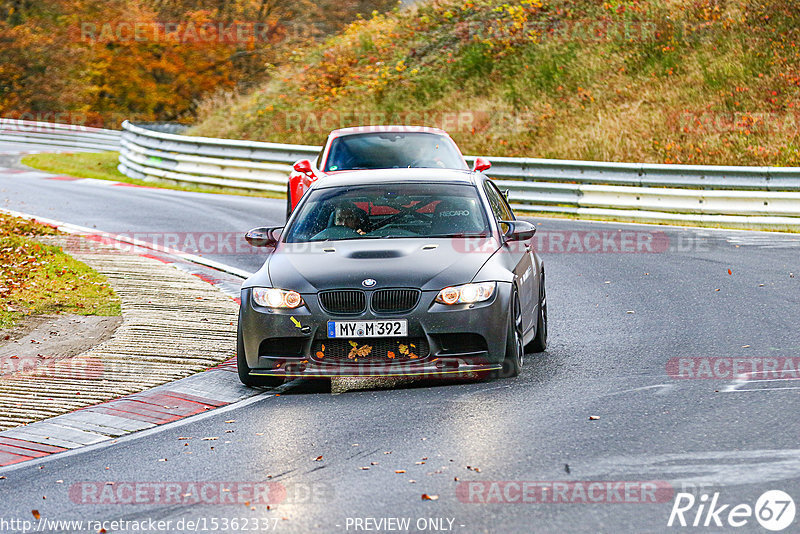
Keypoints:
pixel 663 389
pixel 82 230
pixel 737 385
pixel 94 182
pixel 717 468
pixel 765 241
pixel 150 431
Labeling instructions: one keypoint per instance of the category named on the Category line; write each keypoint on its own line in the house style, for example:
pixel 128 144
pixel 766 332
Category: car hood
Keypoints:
pixel 429 265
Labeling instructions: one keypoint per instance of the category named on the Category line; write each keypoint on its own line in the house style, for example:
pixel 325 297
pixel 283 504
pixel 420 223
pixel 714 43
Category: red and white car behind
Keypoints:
pixel 377 147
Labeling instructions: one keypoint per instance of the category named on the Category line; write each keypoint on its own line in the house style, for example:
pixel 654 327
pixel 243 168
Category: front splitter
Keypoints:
pixel 350 371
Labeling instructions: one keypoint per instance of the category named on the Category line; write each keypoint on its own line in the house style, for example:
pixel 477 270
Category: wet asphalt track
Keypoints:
pixel 738 438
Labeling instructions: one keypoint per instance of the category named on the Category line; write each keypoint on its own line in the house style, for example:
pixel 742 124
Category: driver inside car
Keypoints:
pixel 427 156
pixel 350 218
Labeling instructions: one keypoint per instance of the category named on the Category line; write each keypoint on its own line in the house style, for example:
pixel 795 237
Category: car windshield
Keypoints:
pixel 389 211
pixel 391 150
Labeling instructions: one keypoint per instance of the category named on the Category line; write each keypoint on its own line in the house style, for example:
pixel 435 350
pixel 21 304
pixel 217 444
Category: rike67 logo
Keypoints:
pixel 774 510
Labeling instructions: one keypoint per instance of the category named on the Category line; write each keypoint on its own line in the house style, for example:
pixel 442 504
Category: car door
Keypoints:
pixel 520 254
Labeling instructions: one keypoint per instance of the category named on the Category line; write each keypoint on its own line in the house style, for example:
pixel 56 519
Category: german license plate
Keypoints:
pixel 396 328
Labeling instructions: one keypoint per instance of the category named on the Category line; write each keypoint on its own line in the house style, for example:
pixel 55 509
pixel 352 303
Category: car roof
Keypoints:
pixel 386 128
pixel 377 176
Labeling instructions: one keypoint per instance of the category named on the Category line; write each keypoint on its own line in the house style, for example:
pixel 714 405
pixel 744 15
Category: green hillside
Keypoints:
pixel 695 81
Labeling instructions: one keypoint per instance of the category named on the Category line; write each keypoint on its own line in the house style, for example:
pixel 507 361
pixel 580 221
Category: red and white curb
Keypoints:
pixel 124 242
pixel 105 422
pixel 200 393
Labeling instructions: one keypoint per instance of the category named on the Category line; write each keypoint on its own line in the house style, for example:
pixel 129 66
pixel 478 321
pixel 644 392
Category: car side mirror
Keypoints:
pixel 482 164
pixel 303 166
pixel 519 230
pixel 264 236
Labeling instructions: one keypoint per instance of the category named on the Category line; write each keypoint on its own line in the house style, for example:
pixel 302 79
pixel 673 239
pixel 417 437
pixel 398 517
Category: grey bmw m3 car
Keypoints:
pixel 400 272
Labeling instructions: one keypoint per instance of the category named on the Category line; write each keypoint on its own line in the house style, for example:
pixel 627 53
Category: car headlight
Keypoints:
pixel 467 293
pixel 272 297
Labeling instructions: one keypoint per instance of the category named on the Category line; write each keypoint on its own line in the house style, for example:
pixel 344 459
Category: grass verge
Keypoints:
pixel 103 166
pixel 36 278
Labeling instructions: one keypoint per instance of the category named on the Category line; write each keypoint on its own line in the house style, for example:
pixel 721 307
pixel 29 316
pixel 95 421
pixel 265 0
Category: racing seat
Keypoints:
pixel 457 215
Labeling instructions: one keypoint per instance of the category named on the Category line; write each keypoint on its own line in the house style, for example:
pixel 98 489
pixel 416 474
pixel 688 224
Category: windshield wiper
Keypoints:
pixel 459 234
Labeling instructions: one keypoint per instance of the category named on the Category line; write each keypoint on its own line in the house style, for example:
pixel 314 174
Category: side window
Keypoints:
pixel 499 207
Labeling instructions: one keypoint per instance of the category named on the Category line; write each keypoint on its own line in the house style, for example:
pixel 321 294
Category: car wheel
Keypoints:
pixel 539 343
pixel 244 370
pixel 288 201
pixel 515 352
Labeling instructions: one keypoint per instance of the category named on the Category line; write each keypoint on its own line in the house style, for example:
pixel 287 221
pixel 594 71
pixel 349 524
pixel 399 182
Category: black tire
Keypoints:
pixel 288 201
pixel 515 352
pixel 244 370
pixel 539 343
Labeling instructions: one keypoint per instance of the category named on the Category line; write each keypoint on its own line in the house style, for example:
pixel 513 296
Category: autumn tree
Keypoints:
pixel 84 56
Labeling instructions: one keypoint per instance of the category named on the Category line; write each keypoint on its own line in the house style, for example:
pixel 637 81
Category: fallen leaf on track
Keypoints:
pixel 318 459
pixel 400 471
pixel 426 497
pixel 594 417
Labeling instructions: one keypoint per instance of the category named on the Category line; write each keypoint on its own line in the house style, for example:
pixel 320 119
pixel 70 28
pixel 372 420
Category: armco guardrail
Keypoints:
pixel 61 136
pixel 747 196
pixel 247 165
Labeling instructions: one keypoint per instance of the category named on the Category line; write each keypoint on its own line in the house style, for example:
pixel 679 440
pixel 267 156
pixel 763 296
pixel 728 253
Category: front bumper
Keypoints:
pixel 437 323
pixel 418 370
